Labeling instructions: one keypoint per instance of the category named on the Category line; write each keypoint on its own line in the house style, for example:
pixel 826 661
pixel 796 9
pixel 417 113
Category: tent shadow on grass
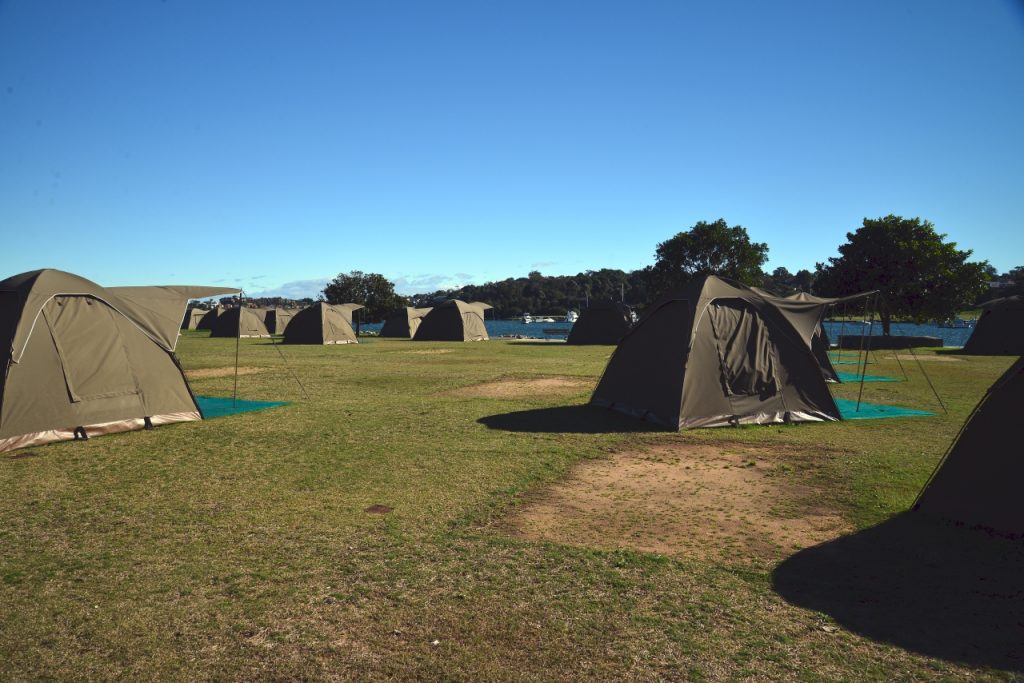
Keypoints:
pixel 926 586
pixel 581 419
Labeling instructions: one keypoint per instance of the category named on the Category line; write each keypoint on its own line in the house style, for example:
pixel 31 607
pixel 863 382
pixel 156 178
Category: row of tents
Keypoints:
pixel 324 323
pixel 81 360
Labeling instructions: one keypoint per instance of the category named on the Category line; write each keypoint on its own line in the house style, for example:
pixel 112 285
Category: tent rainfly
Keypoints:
pixel 454 320
pixel 603 322
pixel 404 322
pixel 193 316
pixel 322 323
pixel 978 482
pixel 1000 329
pixel 81 360
pixel 240 322
pixel 277 319
pixel 718 353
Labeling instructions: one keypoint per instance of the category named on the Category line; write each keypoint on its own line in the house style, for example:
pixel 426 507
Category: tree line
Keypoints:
pixel 918 274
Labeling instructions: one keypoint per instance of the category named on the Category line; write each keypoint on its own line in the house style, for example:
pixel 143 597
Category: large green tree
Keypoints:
pixel 708 249
pixel 372 290
pixel 917 273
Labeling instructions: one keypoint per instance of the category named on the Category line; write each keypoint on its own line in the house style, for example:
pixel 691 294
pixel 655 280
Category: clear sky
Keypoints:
pixel 271 145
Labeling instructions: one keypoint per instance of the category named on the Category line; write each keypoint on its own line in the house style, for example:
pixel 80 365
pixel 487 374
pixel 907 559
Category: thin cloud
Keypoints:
pixel 297 289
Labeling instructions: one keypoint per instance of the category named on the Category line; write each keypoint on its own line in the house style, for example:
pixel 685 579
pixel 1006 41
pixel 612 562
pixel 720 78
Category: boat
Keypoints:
pixel 571 317
pixel 545 320
pixel 527 318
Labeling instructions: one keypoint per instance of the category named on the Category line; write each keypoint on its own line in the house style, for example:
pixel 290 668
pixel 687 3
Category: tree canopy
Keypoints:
pixel 372 290
pixel 918 274
pixel 547 294
pixel 708 249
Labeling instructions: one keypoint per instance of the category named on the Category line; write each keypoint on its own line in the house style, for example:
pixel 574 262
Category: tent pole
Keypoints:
pixel 292 372
pixel 928 379
pixel 864 367
pixel 238 340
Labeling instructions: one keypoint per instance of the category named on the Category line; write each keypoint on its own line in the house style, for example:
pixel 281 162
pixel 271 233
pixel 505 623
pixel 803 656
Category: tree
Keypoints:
pixel 708 249
pixel 372 290
pixel 916 272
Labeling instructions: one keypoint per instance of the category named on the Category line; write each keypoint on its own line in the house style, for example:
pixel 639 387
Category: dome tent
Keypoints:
pixel 80 359
pixel 404 322
pixel 718 353
pixel 322 323
pixel 1000 329
pixel 603 322
pixel 454 320
pixel 240 322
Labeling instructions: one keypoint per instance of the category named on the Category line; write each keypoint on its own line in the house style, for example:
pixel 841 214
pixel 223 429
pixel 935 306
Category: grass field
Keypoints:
pixel 240 548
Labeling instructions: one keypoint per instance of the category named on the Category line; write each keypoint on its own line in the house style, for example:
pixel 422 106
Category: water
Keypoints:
pixel 950 336
pixel 510 328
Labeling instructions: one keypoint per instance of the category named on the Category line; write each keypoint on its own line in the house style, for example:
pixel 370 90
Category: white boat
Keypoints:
pixel 527 318
pixel 545 320
pixel 571 317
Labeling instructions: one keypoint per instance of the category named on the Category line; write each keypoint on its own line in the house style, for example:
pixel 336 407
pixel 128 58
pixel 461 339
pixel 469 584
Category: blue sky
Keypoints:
pixel 273 145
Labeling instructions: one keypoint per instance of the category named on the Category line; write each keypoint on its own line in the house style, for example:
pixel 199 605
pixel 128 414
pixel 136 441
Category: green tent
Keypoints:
pixel 454 320
pixel 193 316
pixel 718 353
pixel 978 482
pixel 322 323
pixel 81 360
pixel 240 322
pixel 404 322
pixel 208 320
pixel 277 319
pixel 1000 329
pixel 603 322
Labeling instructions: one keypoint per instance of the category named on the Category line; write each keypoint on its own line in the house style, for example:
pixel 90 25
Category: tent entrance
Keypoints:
pixel 746 352
pixel 91 349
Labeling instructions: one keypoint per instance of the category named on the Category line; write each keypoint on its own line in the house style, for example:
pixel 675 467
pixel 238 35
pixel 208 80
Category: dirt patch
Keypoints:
pixel 429 352
pixel 699 501
pixel 520 388
pixel 378 509
pixel 206 373
pixel 924 357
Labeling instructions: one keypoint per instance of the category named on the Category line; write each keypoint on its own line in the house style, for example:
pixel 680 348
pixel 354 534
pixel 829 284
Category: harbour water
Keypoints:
pixel 511 328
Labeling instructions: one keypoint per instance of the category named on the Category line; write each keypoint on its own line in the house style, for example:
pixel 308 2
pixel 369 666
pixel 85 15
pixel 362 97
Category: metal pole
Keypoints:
pixel 238 340
pixel 864 367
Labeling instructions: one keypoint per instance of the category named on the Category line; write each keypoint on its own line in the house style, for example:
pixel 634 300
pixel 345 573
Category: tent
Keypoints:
pixel 207 321
pixel 322 323
pixel 718 353
pixel 240 322
pixel 277 319
pixel 603 322
pixel 404 322
pixel 81 360
pixel 454 320
pixel 192 318
pixel 1000 329
pixel 978 481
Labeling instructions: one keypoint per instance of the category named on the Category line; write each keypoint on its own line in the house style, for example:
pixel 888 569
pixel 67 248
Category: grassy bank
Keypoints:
pixel 241 548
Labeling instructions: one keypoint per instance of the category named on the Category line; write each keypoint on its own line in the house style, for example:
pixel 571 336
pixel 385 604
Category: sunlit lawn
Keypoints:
pixel 240 547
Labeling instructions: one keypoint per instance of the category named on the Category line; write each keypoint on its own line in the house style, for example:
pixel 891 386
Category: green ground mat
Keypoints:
pixel 874 411
pixel 855 377
pixel 217 406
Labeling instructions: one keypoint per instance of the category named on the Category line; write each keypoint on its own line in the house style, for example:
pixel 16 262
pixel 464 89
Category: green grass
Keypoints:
pixel 238 548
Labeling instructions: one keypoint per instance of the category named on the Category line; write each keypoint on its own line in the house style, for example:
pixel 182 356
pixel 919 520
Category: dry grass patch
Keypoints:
pixel 700 501
pixel 522 388
pixel 924 357
pixel 207 373
pixel 428 352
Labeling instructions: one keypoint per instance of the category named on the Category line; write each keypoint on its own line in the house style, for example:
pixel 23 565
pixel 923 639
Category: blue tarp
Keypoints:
pixel 217 406
pixel 854 377
pixel 874 411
